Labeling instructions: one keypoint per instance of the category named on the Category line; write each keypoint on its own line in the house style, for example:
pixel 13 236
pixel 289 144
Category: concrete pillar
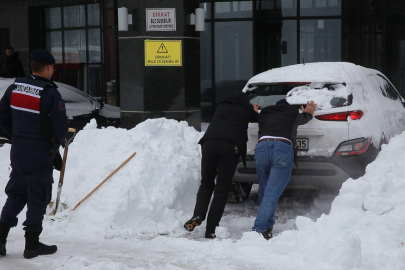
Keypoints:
pixel 159 91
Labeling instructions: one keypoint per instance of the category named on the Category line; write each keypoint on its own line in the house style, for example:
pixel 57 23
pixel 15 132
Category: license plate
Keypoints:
pixel 301 144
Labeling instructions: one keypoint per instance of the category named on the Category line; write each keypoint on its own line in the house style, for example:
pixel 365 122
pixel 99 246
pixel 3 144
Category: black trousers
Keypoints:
pixel 218 160
pixel 31 189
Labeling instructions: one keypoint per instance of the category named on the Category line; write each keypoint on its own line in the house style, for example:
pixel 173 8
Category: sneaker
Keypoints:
pixel 192 223
pixel 267 234
pixel 210 235
pixel 269 231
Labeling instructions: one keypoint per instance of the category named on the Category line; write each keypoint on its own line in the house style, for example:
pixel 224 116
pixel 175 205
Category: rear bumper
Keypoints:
pixel 315 172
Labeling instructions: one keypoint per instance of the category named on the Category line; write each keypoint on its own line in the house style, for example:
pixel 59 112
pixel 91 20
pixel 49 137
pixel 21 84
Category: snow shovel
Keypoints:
pixel 62 171
pixel 105 180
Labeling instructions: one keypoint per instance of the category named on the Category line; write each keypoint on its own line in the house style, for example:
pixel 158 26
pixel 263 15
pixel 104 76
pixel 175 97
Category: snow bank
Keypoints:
pixel 155 193
pixel 152 194
pixel 364 230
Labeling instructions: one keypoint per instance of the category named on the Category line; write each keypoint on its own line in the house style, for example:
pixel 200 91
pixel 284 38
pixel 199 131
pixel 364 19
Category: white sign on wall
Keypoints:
pixel 160 19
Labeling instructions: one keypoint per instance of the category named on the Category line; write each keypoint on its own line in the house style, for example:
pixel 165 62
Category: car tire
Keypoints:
pixel 239 192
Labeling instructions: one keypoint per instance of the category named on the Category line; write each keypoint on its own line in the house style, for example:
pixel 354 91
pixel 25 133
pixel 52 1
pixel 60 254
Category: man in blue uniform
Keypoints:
pixel 33 113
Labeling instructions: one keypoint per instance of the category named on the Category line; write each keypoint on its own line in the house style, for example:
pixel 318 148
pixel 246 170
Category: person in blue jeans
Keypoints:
pixel 274 156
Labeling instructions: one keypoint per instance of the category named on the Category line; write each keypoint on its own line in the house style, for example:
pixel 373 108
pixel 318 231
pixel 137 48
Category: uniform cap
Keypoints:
pixel 42 56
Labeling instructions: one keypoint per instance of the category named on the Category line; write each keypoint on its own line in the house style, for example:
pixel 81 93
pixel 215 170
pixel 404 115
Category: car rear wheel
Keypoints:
pixel 239 192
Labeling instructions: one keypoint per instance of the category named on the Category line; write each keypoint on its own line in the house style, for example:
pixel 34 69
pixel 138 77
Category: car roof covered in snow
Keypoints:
pixel 336 72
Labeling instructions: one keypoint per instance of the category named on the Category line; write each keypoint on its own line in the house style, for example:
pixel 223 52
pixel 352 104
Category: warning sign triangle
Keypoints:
pixel 162 49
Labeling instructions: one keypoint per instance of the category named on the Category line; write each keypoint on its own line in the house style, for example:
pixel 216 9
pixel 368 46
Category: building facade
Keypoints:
pixel 241 39
pixel 244 38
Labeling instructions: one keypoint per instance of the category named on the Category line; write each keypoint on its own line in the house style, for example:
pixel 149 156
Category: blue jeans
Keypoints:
pixel 274 162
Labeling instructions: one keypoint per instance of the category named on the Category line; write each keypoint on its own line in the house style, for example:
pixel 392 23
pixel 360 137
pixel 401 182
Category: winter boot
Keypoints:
pixel 192 223
pixel 3 239
pixel 34 248
pixel 210 235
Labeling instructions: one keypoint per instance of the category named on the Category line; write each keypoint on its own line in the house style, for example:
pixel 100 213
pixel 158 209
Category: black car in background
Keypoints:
pixel 80 108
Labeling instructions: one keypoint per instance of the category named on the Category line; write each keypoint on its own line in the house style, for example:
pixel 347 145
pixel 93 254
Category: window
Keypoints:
pixel 321 7
pixel 73 36
pixel 387 88
pixel 278 8
pixel 233 56
pixel 237 9
pixel 320 40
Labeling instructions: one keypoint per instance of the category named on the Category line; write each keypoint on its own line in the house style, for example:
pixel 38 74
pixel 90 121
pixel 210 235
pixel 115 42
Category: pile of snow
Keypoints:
pixel 154 193
pixel 364 229
pixel 151 194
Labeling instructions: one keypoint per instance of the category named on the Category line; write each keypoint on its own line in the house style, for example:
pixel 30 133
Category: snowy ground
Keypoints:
pixel 190 251
pixel 135 220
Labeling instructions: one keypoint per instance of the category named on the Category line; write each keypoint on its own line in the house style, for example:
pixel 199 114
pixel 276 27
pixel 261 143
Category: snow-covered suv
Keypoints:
pixel 358 111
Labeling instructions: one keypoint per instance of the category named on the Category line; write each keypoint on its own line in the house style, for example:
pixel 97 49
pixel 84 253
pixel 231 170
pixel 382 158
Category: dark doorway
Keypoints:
pixel 275 35
pixel 4 43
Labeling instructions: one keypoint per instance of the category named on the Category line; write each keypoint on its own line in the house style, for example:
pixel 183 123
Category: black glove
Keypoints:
pixel 57 162
pixel 55 155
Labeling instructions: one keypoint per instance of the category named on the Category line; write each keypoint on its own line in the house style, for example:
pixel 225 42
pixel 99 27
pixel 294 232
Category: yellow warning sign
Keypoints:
pixel 163 53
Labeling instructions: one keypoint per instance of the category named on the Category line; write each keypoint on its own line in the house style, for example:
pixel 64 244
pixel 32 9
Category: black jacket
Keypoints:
pixel 230 121
pixel 32 112
pixel 277 121
pixel 14 67
pixel 302 119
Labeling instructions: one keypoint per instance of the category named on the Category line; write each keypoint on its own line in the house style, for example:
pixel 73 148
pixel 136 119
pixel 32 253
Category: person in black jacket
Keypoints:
pixel 274 155
pixel 33 113
pixel 222 145
pixel 14 66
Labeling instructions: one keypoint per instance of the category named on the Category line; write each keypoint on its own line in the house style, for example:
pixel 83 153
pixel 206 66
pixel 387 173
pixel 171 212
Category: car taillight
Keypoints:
pixel 340 116
pixel 353 147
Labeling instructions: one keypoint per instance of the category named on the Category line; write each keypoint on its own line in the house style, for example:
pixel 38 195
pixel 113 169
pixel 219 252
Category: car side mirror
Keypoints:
pixel 4 141
pixel 99 105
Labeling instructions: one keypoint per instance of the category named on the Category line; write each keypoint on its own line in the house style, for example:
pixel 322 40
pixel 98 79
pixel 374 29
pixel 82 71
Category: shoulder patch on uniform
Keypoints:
pixel 61 105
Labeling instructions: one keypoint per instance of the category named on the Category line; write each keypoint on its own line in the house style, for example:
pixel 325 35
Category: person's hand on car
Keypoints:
pixel 310 108
pixel 256 107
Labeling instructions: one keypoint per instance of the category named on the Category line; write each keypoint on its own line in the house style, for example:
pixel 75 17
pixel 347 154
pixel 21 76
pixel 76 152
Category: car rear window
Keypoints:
pixel 326 95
